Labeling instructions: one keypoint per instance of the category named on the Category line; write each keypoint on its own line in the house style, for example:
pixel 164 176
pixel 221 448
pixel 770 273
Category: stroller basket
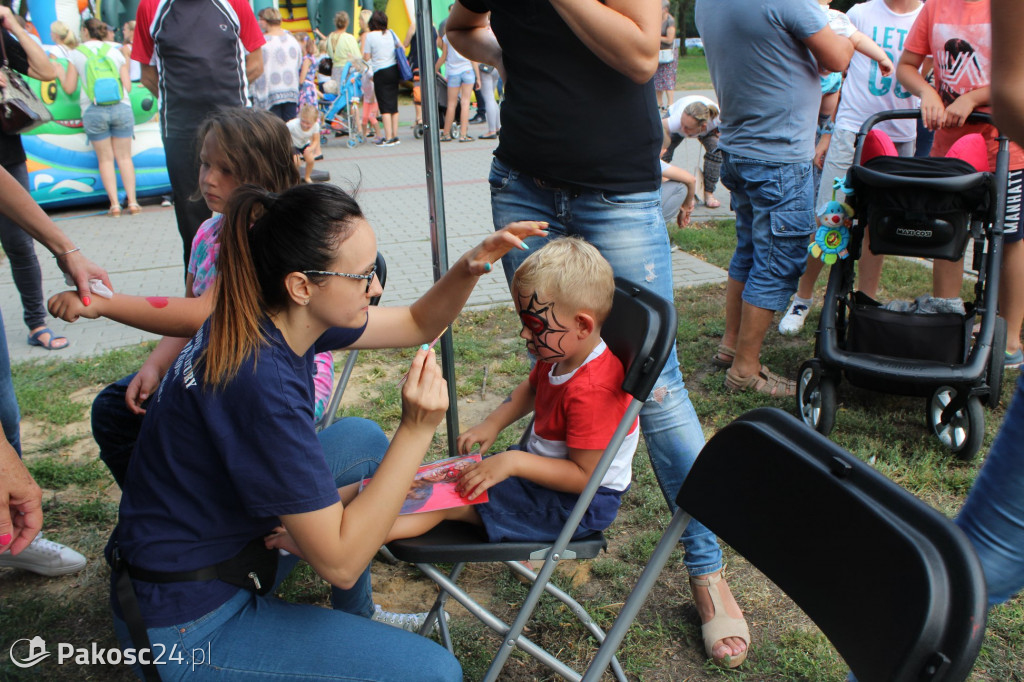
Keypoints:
pixel 920 207
pixel 937 337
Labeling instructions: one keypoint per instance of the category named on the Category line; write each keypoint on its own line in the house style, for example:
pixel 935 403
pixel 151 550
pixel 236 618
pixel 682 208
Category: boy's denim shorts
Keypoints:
pixel 773 203
pixel 457 79
pixel 101 122
pixel 522 510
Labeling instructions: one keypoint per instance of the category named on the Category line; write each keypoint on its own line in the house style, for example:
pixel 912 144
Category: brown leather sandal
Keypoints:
pixel 765 381
pixel 723 356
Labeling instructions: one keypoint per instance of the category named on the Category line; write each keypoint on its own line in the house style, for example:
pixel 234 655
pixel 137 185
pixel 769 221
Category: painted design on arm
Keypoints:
pixel 157 301
pixel 545 330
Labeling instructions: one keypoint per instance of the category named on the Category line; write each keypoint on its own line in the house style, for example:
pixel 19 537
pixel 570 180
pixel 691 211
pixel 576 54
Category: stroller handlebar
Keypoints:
pixel 875 119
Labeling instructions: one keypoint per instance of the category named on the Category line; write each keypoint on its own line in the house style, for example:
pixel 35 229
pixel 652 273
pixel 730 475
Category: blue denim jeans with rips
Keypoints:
pixel 630 232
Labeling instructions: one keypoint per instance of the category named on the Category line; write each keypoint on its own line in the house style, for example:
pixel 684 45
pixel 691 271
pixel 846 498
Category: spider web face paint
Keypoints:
pixel 546 332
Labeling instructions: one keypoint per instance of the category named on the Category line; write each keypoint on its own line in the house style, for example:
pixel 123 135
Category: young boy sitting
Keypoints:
pixel 563 293
pixel 305 131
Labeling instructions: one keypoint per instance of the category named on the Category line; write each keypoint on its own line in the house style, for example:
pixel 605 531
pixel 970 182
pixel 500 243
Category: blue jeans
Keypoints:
pixel 10 417
pixel 251 637
pixel 774 205
pixel 993 516
pixel 630 232
pixel 115 120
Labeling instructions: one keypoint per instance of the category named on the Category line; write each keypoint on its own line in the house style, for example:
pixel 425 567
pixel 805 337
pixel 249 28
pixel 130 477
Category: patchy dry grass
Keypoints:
pixel 665 643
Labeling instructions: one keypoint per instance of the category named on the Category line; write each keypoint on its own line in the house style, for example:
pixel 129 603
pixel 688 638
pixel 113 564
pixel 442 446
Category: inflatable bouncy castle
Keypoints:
pixel 62 165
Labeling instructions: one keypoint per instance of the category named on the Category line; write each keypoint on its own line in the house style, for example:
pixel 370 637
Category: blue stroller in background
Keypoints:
pixel 350 89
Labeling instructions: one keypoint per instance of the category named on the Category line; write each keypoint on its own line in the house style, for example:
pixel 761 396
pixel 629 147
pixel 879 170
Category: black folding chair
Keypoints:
pixel 641 332
pixel 894 585
pixel 331 413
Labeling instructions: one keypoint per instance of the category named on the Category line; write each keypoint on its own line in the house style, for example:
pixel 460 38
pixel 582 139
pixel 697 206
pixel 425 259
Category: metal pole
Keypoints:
pixel 435 198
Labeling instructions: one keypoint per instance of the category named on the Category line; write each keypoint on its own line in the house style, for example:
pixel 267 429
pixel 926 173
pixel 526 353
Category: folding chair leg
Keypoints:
pixel 496 624
pixel 575 607
pixel 638 596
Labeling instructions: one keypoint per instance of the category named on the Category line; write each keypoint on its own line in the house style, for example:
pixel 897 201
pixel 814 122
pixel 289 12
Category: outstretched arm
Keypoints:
pixel 397 327
pixel 179 317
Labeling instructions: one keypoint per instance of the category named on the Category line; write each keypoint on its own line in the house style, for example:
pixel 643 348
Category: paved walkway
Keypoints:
pixel 142 252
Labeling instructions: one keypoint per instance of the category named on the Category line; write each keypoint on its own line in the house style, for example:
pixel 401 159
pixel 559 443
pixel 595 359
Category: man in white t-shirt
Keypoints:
pixel 865 92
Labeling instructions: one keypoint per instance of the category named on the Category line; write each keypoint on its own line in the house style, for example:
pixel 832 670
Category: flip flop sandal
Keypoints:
pixel 33 339
pixel 722 625
pixel 134 209
pixel 721 353
pixel 765 381
pixel 713 203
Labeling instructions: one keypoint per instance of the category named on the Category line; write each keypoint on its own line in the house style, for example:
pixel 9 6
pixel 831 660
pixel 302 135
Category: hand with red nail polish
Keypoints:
pixel 21 510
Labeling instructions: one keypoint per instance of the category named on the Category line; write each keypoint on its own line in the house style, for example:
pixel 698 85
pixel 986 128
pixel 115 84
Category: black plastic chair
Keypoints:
pixel 641 332
pixel 894 585
pixel 331 413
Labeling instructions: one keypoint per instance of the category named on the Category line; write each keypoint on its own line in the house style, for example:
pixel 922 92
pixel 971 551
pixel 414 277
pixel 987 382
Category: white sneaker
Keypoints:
pixel 45 557
pixel 404 621
pixel 793 321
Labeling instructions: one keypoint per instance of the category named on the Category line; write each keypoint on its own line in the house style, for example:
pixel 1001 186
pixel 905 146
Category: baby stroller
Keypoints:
pixel 350 90
pixel 921 207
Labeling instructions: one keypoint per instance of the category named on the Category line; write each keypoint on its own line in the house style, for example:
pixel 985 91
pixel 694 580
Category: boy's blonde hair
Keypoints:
pixel 309 111
pixel 572 273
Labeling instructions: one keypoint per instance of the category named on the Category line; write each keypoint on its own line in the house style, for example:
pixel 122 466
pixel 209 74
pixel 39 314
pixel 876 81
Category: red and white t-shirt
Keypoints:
pixel 580 410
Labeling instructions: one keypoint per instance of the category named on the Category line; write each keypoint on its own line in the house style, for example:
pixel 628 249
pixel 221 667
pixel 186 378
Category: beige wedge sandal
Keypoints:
pixel 722 625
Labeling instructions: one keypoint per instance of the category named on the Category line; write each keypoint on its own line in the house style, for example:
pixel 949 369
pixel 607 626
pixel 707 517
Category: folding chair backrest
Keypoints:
pixel 642 355
pixel 893 584
pixel 327 418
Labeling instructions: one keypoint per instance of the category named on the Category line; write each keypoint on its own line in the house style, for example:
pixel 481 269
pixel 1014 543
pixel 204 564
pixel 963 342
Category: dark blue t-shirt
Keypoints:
pixel 214 469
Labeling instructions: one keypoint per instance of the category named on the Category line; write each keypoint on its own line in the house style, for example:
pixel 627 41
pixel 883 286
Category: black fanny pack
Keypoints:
pixel 253 569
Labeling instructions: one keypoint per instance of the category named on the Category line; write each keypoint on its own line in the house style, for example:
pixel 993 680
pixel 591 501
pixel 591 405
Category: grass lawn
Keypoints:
pixel 692 73
pixel 81 506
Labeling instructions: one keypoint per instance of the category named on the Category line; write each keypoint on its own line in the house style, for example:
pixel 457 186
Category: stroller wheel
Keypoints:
pixel 816 397
pixel 417 131
pixel 352 142
pixel 963 434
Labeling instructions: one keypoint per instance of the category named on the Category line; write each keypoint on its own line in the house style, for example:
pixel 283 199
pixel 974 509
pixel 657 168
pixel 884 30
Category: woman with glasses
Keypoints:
pixel 228 451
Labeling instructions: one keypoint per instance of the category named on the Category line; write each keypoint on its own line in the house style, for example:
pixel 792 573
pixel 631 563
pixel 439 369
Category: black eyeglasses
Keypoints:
pixel 368 278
